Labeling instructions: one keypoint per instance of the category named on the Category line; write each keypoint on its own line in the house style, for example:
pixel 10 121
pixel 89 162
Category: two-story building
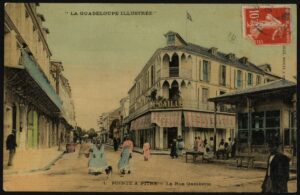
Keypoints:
pixel 169 96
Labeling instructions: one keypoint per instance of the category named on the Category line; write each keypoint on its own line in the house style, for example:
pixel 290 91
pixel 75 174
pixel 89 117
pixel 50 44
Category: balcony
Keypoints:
pixel 33 69
pixel 183 104
pixel 161 104
pixel 173 71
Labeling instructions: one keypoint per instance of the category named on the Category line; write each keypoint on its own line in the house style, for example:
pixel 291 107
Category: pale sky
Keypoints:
pixel 102 55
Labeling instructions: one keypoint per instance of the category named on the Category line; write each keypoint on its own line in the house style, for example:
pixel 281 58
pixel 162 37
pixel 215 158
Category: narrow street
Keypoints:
pixel 160 174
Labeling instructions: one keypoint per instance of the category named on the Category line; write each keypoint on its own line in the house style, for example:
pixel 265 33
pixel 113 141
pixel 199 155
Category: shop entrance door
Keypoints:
pixel 172 134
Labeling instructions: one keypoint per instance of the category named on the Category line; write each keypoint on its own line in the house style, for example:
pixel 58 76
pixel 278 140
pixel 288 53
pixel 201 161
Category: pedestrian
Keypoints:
pixel 208 153
pixel 229 146
pixel 205 142
pixel 200 145
pixel 11 146
pixel 146 150
pixel 180 145
pixel 174 149
pixel 196 144
pixel 119 141
pixel 97 163
pixel 211 142
pixel 233 148
pixel 115 141
pixel 126 154
pixel 277 173
pixel 221 149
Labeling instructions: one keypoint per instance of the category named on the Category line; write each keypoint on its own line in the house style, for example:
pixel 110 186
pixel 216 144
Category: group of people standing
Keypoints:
pixel 202 146
pixel 225 149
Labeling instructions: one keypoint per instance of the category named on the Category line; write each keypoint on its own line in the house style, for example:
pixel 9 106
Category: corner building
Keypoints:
pixel 169 96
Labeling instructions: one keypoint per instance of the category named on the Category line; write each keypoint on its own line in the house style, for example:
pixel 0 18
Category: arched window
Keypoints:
pixel 174 66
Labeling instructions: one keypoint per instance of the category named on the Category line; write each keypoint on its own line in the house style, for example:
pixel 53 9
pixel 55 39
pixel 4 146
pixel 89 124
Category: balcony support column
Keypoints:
pixel 215 126
pixel 159 136
pixel 179 130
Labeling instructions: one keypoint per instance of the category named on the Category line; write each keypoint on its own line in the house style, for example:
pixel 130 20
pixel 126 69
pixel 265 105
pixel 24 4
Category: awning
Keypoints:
pixel 39 77
pixel 143 122
pixel 166 119
pixel 206 120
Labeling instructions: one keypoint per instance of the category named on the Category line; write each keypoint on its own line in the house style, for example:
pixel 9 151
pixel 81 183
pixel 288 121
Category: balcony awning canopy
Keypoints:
pixel 166 119
pixel 206 120
pixel 161 119
pixel 30 84
pixel 143 122
pixel 272 89
pixel 34 71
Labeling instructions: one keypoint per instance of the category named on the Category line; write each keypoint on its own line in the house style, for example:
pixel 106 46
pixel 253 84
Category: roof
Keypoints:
pixel 270 86
pixel 265 66
pixel 219 56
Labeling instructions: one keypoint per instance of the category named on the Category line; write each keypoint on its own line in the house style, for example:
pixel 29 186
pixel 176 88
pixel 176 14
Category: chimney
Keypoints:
pixel 213 50
pixel 243 60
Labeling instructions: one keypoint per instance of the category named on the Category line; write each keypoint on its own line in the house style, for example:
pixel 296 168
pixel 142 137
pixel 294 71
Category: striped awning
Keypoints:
pixel 206 120
pixel 166 119
pixel 143 122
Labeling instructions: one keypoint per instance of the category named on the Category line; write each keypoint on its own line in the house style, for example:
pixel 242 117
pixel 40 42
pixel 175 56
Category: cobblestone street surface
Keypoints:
pixel 159 174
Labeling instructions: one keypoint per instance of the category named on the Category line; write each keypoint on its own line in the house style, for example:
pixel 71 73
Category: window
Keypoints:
pixel 250 79
pixel 204 95
pixel 171 39
pixel 222 92
pixel 272 125
pixel 200 73
pixel 206 70
pixel 257 120
pixel 273 119
pixel 258 80
pixel 152 75
pixel 243 120
pixel 286 136
pixel 243 136
pixel 223 75
pixel 258 133
pixel 243 127
pixel 272 134
pixel 258 137
pixel 239 81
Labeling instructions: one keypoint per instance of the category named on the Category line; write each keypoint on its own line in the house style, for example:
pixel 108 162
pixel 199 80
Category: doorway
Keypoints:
pixel 171 134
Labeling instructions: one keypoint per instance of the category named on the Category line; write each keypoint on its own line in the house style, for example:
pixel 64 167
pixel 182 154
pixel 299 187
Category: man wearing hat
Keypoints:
pixel 277 174
pixel 11 146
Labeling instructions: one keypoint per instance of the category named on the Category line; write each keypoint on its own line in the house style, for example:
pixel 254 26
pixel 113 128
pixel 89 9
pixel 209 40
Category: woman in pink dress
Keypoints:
pixel 146 149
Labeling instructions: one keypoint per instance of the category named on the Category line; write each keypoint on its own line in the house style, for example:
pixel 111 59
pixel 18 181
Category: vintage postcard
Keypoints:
pixel 104 97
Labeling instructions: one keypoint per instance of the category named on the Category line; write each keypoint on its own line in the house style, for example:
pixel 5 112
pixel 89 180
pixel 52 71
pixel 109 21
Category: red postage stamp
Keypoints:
pixel 267 25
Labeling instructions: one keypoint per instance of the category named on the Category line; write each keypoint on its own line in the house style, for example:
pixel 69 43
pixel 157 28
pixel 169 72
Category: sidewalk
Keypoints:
pixel 27 161
pixel 231 162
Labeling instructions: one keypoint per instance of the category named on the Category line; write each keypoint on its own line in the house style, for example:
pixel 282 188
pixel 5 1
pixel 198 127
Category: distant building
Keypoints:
pixel 264 113
pixel 112 124
pixel 169 96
